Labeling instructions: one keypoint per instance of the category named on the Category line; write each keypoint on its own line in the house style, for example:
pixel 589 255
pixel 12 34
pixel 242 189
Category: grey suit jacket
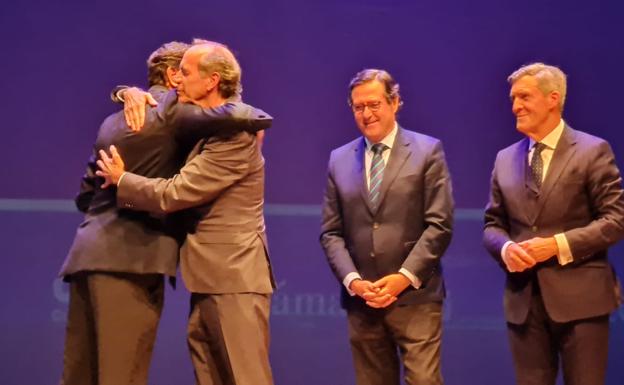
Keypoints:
pixel 581 197
pixel 412 226
pixel 223 181
pixel 118 240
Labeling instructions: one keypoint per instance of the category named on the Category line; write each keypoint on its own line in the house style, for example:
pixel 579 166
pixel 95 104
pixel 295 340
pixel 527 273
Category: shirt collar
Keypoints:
pixel 552 138
pixel 388 140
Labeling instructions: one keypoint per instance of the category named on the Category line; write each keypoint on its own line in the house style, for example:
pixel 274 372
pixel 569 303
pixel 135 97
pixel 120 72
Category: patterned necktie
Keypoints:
pixel 537 165
pixel 376 173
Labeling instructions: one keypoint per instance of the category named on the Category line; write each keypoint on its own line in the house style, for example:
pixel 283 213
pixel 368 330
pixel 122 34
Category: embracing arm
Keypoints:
pixel 192 122
pixel 219 165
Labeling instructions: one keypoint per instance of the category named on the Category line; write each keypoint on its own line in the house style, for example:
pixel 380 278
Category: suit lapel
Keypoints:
pixel 398 155
pixel 522 173
pixel 564 151
pixel 359 174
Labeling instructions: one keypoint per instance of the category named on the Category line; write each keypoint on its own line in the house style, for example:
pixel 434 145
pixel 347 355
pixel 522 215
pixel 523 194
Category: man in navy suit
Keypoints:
pixel 387 219
pixel 556 205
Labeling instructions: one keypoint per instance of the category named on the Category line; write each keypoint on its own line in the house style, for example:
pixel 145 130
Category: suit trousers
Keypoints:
pixel 539 343
pixel 111 327
pixel 228 338
pixel 379 336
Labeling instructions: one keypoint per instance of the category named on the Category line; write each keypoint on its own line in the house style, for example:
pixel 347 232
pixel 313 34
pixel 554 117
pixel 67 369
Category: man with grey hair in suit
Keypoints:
pixel 387 221
pixel 224 260
pixel 119 258
pixel 556 205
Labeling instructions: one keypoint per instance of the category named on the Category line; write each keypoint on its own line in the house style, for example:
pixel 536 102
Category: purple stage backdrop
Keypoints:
pixel 451 58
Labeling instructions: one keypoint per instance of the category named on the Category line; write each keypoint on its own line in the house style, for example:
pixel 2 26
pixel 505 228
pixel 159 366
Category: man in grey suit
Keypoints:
pixel 387 220
pixel 119 258
pixel 224 260
pixel 556 205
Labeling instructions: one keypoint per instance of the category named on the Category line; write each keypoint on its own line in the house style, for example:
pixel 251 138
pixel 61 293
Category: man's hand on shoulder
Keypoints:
pixel 135 101
pixel 111 168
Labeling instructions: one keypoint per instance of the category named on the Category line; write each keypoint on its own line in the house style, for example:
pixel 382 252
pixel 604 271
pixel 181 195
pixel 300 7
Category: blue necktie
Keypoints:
pixel 376 173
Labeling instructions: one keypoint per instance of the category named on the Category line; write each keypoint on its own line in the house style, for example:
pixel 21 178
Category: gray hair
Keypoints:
pixel 167 55
pixel 221 60
pixel 549 78
pixel 391 87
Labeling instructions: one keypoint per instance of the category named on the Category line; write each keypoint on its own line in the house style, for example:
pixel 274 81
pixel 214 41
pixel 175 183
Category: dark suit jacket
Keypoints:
pixel 581 197
pixel 118 240
pixel 412 226
pixel 223 181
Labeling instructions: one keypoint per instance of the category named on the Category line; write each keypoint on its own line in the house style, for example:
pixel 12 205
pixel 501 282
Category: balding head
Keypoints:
pixel 216 58
pixel 210 75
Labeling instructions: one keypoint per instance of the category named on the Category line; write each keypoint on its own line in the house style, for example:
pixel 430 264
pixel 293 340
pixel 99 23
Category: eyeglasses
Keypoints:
pixel 372 106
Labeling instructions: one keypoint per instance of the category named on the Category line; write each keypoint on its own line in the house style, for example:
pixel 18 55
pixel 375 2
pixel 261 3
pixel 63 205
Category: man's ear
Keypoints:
pixel 213 81
pixel 553 99
pixel 172 77
pixel 395 103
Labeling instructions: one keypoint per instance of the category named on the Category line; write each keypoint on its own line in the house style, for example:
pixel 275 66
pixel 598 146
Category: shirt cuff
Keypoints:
pixel 413 279
pixel 121 178
pixel 119 95
pixel 352 276
pixel 564 256
pixel 503 250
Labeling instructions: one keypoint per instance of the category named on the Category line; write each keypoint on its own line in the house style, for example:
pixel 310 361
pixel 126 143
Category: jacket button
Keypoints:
pixel 375 226
pixel 372 254
pixel 534 229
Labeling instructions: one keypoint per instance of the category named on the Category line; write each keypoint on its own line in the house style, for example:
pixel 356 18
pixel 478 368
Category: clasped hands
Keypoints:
pixel 381 293
pixel 524 255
